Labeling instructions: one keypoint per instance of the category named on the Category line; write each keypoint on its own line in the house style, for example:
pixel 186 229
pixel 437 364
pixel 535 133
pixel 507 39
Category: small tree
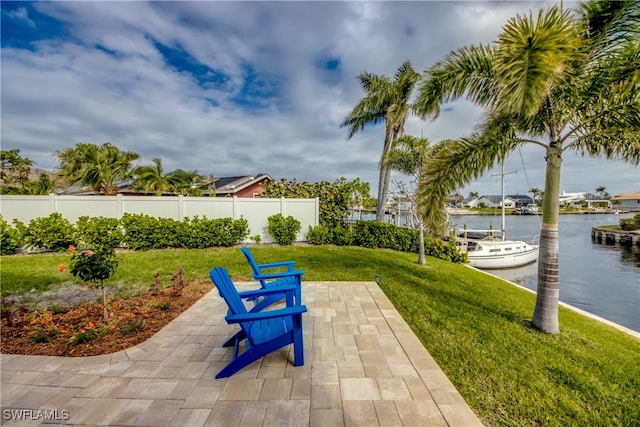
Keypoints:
pixel 93 266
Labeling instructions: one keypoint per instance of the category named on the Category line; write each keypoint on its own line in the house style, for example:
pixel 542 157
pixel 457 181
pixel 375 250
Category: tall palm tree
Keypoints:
pixel 100 167
pixel 409 156
pixel 561 81
pixel 385 101
pixel 151 178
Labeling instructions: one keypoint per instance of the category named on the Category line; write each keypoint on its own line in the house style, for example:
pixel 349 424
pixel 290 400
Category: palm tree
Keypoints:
pixel 409 156
pixel 100 167
pixel 537 193
pixel 385 101
pixel 561 82
pixel 151 178
pixel 187 183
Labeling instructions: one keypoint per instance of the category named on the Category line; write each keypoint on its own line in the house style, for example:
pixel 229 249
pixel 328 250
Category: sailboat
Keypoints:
pixel 495 253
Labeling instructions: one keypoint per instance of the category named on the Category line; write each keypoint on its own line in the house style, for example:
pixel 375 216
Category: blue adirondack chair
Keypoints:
pixel 263 331
pixel 263 273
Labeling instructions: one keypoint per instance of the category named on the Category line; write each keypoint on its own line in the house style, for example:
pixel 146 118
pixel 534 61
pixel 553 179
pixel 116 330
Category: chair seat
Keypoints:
pixel 263 330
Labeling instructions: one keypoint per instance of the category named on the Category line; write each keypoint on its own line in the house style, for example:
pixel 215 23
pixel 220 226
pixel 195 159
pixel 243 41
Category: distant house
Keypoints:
pixel 232 186
pixel 572 199
pixel 628 202
pixel 493 201
pixel 241 186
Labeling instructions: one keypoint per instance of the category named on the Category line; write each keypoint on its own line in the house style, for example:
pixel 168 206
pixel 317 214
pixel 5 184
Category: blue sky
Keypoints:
pixel 235 88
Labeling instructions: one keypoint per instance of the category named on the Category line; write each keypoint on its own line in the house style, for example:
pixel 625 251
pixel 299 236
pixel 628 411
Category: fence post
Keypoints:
pixel 180 207
pixel 235 207
pixel 282 206
pixel 52 203
pixel 119 205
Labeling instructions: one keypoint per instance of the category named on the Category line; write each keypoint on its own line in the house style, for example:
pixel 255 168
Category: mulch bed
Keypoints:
pixel 83 331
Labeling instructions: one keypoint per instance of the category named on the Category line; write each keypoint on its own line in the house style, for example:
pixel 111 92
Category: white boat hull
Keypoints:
pixel 493 254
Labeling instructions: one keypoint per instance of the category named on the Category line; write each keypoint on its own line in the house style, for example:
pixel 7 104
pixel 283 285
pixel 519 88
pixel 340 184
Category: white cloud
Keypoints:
pixel 107 81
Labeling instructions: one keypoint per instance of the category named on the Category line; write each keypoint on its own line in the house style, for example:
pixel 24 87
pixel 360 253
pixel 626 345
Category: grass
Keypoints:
pixel 474 325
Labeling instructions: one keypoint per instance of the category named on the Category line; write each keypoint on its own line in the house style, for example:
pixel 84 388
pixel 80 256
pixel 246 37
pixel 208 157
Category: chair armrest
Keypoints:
pixel 270 314
pixel 279 275
pixel 288 264
pixel 268 291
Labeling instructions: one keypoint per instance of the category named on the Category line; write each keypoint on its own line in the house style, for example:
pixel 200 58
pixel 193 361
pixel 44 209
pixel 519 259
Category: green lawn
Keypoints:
pixel 474 325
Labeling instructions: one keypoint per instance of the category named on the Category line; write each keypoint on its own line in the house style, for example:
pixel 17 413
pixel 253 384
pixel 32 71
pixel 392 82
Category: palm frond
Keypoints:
pixel 469 71
pixel 608 25
pixel 533 57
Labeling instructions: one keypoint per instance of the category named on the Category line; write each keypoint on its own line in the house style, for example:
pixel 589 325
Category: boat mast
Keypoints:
pixel 503 223
pixel 503 226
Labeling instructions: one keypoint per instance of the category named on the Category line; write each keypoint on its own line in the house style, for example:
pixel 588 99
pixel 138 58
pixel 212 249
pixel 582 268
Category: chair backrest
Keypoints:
pixel 227 290
pixel 252 262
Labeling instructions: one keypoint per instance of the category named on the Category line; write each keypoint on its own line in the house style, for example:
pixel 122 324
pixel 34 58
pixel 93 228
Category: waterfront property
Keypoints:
pixel 628 202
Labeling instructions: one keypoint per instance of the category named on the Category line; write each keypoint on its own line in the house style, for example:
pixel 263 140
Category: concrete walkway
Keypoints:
pixel 363 367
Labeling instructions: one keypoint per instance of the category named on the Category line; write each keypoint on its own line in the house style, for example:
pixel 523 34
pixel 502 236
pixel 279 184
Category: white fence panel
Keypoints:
pixel 156 207
pixel 255 211
pixel 25 208
pixel 202 207
pixel 91 206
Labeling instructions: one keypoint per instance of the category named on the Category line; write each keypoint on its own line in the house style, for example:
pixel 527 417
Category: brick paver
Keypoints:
pixel 363 367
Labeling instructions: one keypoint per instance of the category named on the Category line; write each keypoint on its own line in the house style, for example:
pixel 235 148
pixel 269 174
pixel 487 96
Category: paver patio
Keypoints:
pixel 363 367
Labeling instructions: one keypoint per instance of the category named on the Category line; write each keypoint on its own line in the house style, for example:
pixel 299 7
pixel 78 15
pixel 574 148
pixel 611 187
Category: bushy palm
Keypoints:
pixel 100 167
pixel 562 81
pixel 151 178
pixel 385 101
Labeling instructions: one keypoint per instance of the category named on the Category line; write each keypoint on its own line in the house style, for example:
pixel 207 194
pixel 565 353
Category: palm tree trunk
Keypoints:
pixel 545 314
pixel 383 193
pixel 380 203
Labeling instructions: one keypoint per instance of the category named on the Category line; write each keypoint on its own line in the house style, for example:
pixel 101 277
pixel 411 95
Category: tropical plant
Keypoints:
pixel 14 171
pixel 561 81
pixel 187 183
pixel 602 193
pixel 385 101
pixel 537 193
pixel 100 167
pixel 151 178
pixel 409 156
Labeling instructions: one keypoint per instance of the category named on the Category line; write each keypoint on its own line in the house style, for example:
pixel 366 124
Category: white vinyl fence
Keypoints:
pixel 255 211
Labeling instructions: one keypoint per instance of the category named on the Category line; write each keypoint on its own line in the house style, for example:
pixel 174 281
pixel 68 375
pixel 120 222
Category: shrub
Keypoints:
pixel 10 238
pixel 376 234
pixel 229 232
pixel 319 235
pixel 53 232
pixel 342 236
pixel 630 224
pixel 283 229
pixel 143 232
pixel 98 232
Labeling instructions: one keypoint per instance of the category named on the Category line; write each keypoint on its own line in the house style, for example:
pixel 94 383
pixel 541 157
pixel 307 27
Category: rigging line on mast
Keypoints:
pixel 528 183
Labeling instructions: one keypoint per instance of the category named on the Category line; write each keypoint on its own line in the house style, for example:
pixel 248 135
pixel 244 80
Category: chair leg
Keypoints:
pixel 237 337
pixel 298 342
pixel 254 353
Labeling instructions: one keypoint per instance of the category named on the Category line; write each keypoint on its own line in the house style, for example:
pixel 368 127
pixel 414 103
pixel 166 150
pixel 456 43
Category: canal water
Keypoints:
pixel 601 279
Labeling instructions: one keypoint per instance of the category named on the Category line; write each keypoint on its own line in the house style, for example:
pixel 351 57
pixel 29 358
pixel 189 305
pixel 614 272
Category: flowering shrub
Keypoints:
pixel 93 266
